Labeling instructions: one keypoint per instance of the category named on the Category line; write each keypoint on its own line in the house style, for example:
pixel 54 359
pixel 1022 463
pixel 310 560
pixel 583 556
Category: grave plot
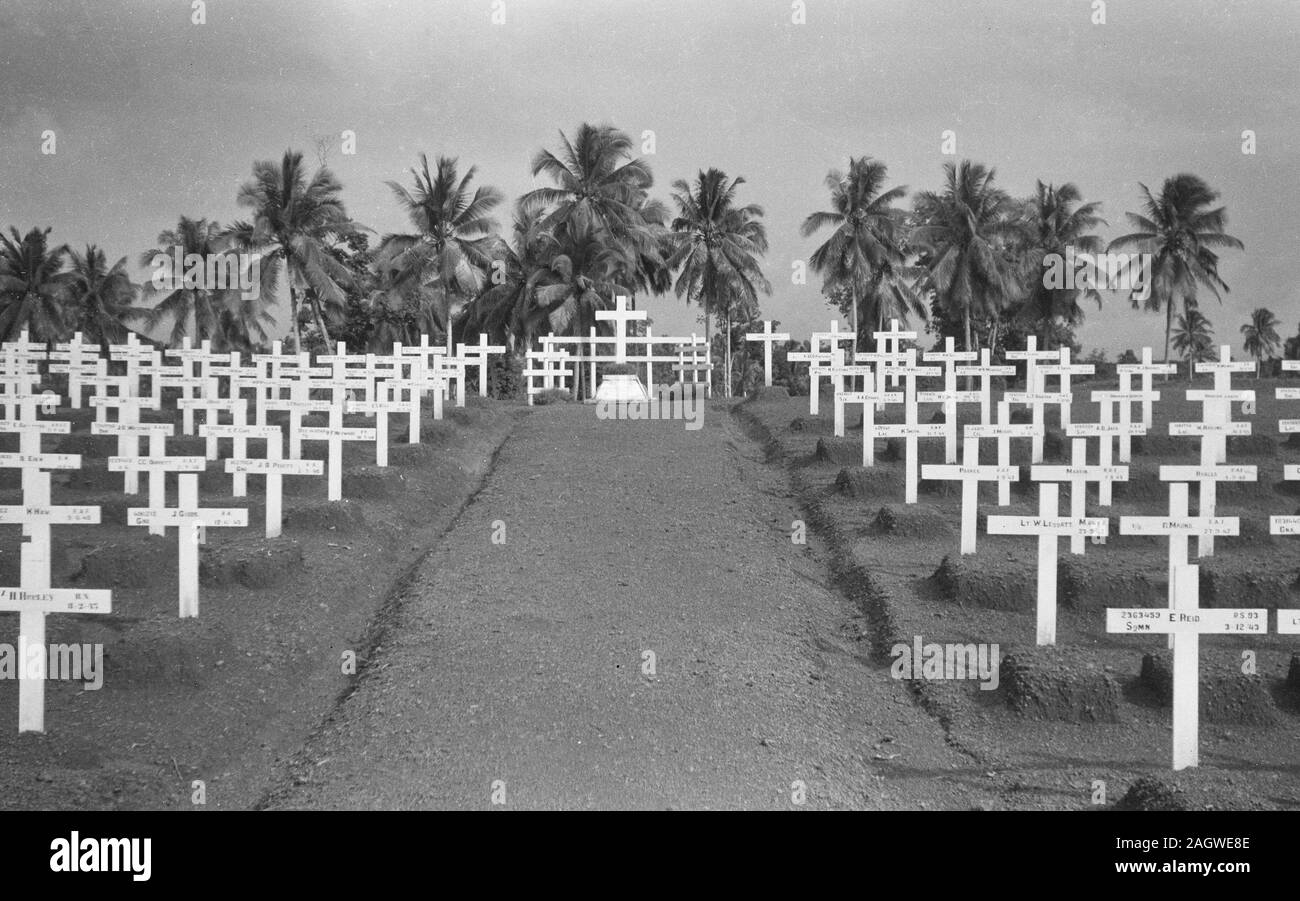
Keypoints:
pixel 262 658
pixel 1062 700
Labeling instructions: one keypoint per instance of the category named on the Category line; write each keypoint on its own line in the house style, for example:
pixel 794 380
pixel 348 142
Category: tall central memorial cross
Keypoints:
pixel 1048 526
pixel 620 316
pixel 768 337
pixel 1185 621
pixel 970 473
pixel 1078 474
pixel 910 430
pixel 950 397
pixel 33 599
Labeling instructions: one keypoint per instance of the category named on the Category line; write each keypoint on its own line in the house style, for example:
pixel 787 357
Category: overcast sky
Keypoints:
pixel 156 117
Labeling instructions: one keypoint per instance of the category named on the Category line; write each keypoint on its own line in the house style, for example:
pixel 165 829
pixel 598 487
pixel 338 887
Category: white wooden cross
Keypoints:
pixel 1185 622
pixel 76 359
pixel 546 372
pixel 336 434
pixel 128 426
pixel 889 346
pixel 1126 428
pixel 1178 526
pixel 970 473
pixel 34 599
pixel 1146 369
pixel 133 353
pixel 839 371
pixel 275 468
pixel 869 400
pixel 1036 398
pixel 768 337
pixel 1033 384
pixel 191 377
pixel 1210 471
pixel 379 408
pixel 1049 527
pixel 1104 431
pixel 1078 473
pixel 817 361
pixel 190 522
pixel 157 464
pixel 986 371
pixel 1063 370
pixel 1218 403
pixel 620 316
pixel 696 365
pixel 477 355
pixel 1003 431
pixel 910 430
pixel 950 397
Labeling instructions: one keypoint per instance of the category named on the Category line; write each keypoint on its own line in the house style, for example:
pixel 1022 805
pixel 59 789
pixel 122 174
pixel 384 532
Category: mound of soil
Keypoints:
pixel 1060 685
pixel 1252 446
pixel 842 451
pixel 1227 695
pixel 798 424
pixel 1248 587
pixel 1293 673
pixel 910 521
pixel 1151 793
pixel 764 394
pixel 250 562
pixel 185 652
pixel 147 561
pixel 372 481
pixel 410 454
pixel 328 516
pixel 928 450
pixel 858 481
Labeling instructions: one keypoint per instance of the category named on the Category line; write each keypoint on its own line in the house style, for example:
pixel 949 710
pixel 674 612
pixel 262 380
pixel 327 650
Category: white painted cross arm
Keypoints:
pixel 56 600
pixel 1286 525
pixel 216 517
pixel 27 514
pixel 1201 621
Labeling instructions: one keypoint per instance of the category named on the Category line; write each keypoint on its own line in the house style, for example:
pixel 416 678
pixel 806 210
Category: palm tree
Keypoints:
pixel 715 244
pixel 865 238
pixel 601 189
pixel 508 308
pixel 102 297
pixel 1181 234
pixel 296 220
pixel 1193 338
pixel 1262 339
pixel 34 289
pixel 194 309
pixel 449 250
pixel 964 231
pixel 1056 218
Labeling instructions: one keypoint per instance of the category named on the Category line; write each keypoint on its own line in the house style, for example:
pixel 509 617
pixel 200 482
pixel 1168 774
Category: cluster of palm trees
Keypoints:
pixel 968 257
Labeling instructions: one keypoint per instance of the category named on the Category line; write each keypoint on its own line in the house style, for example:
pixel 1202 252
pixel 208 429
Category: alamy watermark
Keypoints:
pixel 208 272
pixel 668 402
pixel 946 661
pixel 64 662
pixel 1075 270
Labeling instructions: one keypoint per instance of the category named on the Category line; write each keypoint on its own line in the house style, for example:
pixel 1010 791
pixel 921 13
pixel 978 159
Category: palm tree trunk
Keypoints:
pixel 853 312
pixel 965 316
pixel 708 339
pixel 320 322
pixel 728 353
pixel 293 316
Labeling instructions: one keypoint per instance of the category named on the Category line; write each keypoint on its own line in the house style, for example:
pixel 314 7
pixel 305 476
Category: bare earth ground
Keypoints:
pixel 1052 756
pixel 223 698
pixel 522 662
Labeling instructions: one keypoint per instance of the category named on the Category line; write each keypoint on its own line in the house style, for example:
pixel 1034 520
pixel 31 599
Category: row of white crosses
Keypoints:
pixel 554 366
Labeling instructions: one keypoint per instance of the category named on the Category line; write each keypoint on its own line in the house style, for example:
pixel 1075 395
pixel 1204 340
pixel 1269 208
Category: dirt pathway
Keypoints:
pixel 523 663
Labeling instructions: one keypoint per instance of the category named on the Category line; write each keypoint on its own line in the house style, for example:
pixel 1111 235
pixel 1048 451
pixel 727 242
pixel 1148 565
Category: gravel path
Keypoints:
pixel 523 662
